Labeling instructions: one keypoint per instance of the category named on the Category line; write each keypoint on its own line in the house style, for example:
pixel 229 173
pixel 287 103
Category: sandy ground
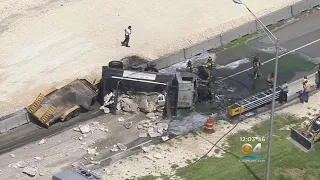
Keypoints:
pixel 49 43
pixel 61 151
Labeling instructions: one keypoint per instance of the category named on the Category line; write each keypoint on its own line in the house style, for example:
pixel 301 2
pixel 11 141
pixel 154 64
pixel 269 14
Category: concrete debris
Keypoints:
pixel 287 127
pixel 152 133
pixel 151 116
pixel 41 174
pixel 143 135
pixel 76 129
pixel 77 164
pixel 85 136
pixel 114 148
pixel 80 138
pixel 158 156
pixel 122 147
pixel 91 159
pixel 139 127
pixel 95 123
pixel 164 126
pixel 85 158
pixel 42 141
pixel 106 110
pixel 148 149
pixel 108 99
pixel 128 125
pixel 12 155
pixel 84 143
pixel 165 138
pixel 95 162
pixel 96 154
pixel 121 119
pixel 128 105
pixel 38 158
pixel 22 164
pixel 102 108
pixel 84 128
pixel 30 171
pixel 148 156
pixel 91 151
pixel 103 128
pixel 146 106
pixel 249 114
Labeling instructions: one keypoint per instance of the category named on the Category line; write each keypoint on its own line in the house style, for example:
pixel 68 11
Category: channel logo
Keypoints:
pixel 251 153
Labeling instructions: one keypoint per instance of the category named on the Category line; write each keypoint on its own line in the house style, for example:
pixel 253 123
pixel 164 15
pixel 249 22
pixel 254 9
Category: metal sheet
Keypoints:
pixel 139 75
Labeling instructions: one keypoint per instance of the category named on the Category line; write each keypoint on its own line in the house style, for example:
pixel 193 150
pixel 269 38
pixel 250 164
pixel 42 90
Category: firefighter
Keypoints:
pixel 189 66
pixel 256 67
pixel 270 80
pixel 151 67
pixel 209 67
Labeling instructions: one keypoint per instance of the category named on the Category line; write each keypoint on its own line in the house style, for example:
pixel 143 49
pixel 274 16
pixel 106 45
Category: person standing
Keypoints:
pixel 209 67
pixel 256 67
pixel 306 89
pixel 284 92
pixel 270 80
pixel 189 66
pixel 127 33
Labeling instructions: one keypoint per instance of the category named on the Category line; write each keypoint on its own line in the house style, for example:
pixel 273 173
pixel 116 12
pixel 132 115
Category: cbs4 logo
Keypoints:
pixel 247 149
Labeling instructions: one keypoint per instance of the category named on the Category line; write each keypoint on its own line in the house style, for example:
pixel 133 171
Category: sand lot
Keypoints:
pixel 49 43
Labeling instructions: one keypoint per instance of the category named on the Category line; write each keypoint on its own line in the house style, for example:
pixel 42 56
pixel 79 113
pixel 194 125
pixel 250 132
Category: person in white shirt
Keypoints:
pixel 284 92
pixel 127 33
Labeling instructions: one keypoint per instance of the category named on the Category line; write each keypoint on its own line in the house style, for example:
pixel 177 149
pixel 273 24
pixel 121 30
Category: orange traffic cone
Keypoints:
pixel 209 126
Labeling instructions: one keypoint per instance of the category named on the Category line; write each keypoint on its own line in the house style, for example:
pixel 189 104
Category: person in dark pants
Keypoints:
pixel 127 33
pixel 284 92
pixel 306 89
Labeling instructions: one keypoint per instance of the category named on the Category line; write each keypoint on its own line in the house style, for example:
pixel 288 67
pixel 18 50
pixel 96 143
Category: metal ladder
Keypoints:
pixel 48 115
pixel 258 99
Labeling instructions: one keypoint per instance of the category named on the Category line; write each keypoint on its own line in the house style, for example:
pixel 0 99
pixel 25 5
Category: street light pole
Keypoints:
pixel 268 32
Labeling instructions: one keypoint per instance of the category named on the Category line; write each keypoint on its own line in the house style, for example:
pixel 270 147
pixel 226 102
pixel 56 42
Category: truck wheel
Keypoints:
pixel 68 117
pixel 116 64
pixel 76 113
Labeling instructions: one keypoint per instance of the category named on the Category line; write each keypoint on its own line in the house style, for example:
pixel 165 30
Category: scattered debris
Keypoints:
pixel 121 119
pixel 76 129
pixel 122 147
pixel 84 128
pixel 143 135
pixel 157 155
pixel 41 174
pixel 148 149
pixel 96 154
pixel 128 125
pixel 38 158
pixel 42 141
pixel 165 138
pixel 77 164
pixel 114 148
pixel 80 138
pixel 95 162
pixel 12 155
pixel 106 110
pixel 151 116
pixel 91 151
pixel 84 143
pixel 287 127
pixel 152 133
pixel 30 171
pixel 128 105
pixel 148 156
pixel 305 123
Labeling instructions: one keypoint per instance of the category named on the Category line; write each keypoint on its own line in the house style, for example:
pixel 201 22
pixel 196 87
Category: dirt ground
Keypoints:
pixel 49 43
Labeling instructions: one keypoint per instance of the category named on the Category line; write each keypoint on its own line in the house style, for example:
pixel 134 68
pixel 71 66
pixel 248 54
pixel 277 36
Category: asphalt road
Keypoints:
pixel 32 132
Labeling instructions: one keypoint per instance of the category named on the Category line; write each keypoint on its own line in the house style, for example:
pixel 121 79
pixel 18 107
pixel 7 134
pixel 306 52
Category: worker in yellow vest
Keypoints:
pixel 209 67
pixel 270 80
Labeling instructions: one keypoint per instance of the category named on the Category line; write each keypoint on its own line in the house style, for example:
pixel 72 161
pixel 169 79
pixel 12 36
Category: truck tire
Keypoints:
pixel 76 113
pixel 69 116
pixel 116 64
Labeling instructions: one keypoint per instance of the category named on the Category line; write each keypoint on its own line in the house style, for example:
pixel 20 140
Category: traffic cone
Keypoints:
pixel 209 126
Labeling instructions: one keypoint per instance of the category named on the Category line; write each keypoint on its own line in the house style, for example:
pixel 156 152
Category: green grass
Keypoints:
pixel 237 42
pixel 288 161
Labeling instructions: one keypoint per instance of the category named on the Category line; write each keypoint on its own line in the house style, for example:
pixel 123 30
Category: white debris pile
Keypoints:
pixel 150 153
pixel 139 102
pixel 153 127
pixel 90 128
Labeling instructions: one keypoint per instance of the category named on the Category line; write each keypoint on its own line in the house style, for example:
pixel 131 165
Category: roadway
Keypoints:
pixel 32 132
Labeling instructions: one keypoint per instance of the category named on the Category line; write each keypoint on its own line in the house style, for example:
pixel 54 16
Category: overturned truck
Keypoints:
pixel 116 80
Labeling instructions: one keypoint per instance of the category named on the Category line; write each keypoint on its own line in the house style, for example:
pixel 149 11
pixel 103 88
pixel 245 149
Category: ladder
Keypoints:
pixel 252 102
pixel 36 104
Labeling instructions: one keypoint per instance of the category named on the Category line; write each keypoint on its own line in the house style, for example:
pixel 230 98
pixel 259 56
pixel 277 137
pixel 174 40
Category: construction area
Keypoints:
pixel 132 117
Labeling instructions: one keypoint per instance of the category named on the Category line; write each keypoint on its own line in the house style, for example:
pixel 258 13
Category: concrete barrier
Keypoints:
pixel 273 18
pixel 171 59
pixel 203 47
pixel 239 32
pixel 303 6
pixel 14 120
